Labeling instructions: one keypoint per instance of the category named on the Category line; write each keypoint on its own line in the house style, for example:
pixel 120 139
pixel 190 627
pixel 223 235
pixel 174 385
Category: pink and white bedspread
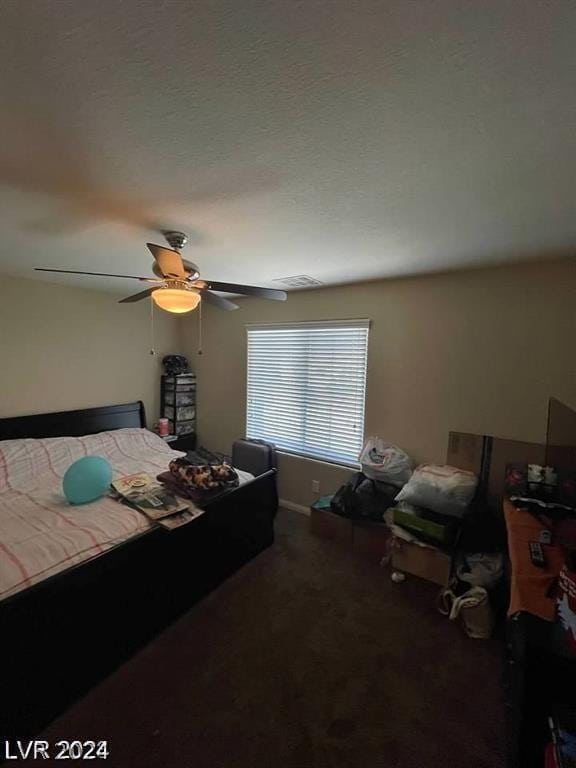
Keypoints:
pixel 40 532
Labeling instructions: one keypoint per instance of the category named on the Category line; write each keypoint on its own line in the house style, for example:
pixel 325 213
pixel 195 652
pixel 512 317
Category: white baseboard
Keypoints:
pixel 294 507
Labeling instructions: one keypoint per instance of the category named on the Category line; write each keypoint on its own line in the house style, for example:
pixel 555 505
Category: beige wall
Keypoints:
pixel 477 351
pixel 63 348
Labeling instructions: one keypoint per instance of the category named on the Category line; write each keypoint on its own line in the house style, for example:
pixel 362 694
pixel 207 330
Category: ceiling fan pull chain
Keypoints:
pixel 200 329
pixel 152 350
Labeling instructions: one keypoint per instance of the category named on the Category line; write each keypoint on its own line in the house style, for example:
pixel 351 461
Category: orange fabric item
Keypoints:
pixel 532 588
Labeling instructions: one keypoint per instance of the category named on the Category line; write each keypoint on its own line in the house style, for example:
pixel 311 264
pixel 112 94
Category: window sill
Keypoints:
pixel 355 467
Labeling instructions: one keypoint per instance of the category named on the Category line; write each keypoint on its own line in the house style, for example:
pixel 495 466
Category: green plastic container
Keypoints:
pixel 429 525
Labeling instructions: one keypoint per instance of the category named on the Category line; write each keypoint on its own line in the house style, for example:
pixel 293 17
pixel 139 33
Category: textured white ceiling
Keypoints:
pixel 345 140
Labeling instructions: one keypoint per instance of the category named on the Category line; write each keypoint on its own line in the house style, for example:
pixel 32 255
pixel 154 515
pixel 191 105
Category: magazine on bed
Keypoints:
pixel 181 518
pixel 149 497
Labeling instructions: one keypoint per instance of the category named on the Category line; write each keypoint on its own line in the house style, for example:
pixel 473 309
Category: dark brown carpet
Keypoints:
pixel 307 657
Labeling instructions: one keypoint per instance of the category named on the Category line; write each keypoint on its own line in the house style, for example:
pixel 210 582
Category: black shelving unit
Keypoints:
pixel 178 403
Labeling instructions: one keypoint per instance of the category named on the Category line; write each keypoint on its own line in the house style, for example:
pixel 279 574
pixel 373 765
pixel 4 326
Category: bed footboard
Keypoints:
pixel 63 635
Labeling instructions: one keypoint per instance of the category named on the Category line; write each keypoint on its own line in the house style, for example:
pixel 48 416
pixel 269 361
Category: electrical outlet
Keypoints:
pixel 315 486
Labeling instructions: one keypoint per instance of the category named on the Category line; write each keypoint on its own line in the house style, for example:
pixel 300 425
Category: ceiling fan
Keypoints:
pixel 178 286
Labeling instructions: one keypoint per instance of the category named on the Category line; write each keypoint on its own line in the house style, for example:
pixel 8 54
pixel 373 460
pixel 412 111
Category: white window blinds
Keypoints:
pixel 306 386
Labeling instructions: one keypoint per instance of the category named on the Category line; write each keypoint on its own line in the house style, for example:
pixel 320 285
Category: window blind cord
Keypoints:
pixel 152 350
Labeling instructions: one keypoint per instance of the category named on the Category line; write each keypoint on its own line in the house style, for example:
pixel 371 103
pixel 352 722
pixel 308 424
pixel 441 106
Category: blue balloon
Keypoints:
pixel 87 479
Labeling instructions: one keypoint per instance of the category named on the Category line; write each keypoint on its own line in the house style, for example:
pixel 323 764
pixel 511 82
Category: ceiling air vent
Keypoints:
pixel 298 281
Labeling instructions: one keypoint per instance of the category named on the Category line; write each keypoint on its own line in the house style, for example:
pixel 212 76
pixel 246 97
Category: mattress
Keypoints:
pixel 41 534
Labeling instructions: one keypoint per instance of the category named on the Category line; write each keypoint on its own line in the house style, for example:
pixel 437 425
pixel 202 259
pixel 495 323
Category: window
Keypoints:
pixel 306 385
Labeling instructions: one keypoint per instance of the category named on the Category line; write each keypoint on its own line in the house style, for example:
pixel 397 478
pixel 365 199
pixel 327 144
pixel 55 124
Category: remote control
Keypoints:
pixel 537 554
pixel 545 537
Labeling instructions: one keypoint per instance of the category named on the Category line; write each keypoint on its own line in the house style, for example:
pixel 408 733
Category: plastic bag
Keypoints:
pixel 360 497
pixel 481 569
pixel 473 607
pixel 344 502
pixel 385 462
pixel 442 489
pixel 374 498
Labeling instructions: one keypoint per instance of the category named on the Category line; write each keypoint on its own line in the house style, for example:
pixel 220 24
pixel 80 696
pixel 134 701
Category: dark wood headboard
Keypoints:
pixel 87 421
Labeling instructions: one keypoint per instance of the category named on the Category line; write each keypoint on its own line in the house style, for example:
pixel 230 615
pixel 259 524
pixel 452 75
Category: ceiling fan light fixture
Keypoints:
pixel 176 300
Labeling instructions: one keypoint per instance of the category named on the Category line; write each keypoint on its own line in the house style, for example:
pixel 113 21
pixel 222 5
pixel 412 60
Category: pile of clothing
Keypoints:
pixel 199 482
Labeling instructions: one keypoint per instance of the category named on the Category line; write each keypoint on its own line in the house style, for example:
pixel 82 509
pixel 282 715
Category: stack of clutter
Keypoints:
pixel 427 514
pixel 425 510
pixel 430 507
pixel 368 494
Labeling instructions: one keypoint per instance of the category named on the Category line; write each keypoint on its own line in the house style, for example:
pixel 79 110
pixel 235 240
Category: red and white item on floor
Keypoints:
pixel 566 609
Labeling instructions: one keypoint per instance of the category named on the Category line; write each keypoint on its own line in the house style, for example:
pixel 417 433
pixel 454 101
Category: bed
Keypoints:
pixel 82 588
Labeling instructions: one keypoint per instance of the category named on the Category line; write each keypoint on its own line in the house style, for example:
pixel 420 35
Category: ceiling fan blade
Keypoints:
pixel 169 261
pixel 137 296
pixel 218 301
pixel 96 274
pixel 248 290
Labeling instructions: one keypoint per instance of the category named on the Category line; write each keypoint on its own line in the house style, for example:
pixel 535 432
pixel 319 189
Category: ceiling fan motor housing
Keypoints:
pixel 176 240
pixel 180 285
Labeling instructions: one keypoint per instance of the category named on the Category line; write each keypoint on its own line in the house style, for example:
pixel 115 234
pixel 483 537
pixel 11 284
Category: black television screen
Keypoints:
pixel 561 437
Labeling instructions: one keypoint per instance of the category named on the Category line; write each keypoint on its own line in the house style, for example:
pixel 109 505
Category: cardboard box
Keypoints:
pixel 370 539
pixel 327 525
pixel 364 537
pixel 424 562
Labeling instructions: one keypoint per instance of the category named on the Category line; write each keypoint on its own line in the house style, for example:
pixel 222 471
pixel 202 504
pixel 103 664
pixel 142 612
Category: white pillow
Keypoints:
pixel 443 489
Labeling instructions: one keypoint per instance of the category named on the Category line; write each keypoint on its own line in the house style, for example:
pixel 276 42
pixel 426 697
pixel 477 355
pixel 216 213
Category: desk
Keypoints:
pixel 531 588
pixel 537 678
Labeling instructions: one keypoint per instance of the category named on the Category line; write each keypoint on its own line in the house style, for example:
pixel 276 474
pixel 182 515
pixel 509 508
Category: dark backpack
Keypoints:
pixel 361 498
